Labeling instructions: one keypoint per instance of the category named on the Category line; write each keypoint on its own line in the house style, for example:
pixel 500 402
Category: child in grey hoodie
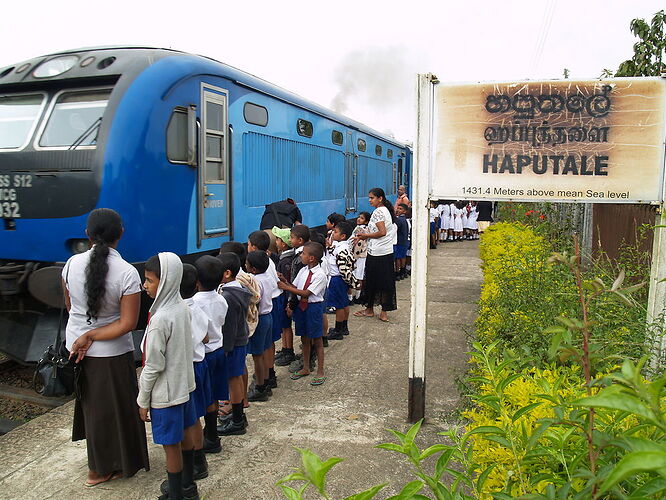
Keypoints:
pixel 167 378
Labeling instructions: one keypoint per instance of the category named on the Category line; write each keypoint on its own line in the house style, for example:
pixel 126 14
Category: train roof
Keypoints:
pixel 115 61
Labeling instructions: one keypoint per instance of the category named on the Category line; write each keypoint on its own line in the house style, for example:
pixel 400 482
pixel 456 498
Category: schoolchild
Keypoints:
pixel 248 281
pixel 444 218
pixel 215 306
pixel 260 343
pixel 200 398
pixel 341 266
pixel 452 220
pixel 400 248
pixel 235 333
pixel 307 308
pixel 167 378
pixel 260 240
pixel 317 237
pixel 458 221
pixel 360 251
pixel 281 322
pixel 331 221
pixel 472 224
pixel 434 219
pixel 298 235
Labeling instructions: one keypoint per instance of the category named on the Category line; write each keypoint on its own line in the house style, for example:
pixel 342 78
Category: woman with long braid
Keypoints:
pixel 102 294
pixel 379 284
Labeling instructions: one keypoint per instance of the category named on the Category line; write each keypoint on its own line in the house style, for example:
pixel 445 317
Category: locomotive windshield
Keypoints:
pixel 18 117
pixel 75 119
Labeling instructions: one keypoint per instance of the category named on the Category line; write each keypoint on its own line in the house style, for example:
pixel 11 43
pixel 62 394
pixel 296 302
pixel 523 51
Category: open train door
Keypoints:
pixel 213 213
pixel 351 184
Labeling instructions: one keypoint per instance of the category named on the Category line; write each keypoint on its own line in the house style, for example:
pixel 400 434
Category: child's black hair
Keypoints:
pixel 235 247
pixel 301 231
pixel 345 228
pixel 153 266
pixel 259 260
pixel 317 237
pixel 260 239
pixel 230 262
pixel 335 217
pixel 404 206
pixel 315 249
pixel 188 283
pixel 210 272
pixel 366 216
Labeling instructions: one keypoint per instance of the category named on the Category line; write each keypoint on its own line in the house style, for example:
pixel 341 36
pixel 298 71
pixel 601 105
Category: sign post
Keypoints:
pixel 587 141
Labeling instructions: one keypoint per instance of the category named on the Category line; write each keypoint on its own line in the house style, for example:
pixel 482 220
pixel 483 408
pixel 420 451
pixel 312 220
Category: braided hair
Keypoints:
pixel 379 193
pixel 104 227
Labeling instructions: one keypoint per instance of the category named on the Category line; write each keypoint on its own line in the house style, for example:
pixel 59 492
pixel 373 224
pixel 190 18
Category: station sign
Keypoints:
pixel 593 141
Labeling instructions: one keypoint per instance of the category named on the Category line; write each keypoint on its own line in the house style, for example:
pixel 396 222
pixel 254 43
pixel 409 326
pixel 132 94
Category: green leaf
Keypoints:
pixel 519 413
pixel 618 281
pixel 615 397
pixel 443 462
pixel 499 440
pixel 409 490
pixel 436 448
pixel 367 494
pixel 502 384
pixel 649 489
pixel 632 464
pixel 413 431
pixel 391 447
pixel 296 476
pixel 487 429
pixel 480 481
pixel 398 434
pixel 554 345
pixel 291 493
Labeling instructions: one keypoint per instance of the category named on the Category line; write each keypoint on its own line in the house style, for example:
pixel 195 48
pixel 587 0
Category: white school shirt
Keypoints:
pixel 267 286
pixel 317 284
pixel 121 279
pixel 434 213
pixel 215 306
pixel 273 274
pixel 201 326
pixel 338 247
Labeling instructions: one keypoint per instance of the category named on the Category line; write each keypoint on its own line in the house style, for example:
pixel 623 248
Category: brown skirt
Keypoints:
pixel 107 416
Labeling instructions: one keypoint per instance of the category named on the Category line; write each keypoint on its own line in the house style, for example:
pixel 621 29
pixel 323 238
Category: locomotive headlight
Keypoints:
pixel 78 246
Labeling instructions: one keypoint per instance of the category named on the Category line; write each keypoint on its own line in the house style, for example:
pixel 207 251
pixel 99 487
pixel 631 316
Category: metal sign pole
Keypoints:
pixel 420 243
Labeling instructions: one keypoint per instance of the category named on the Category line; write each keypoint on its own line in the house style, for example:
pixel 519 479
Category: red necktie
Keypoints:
pixel 303 304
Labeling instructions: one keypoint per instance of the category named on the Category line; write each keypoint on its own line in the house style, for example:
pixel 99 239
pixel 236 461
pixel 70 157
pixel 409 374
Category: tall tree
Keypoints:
pixel 648 59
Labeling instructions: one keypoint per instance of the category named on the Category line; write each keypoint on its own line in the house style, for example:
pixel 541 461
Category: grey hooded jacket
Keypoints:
pixel 167 377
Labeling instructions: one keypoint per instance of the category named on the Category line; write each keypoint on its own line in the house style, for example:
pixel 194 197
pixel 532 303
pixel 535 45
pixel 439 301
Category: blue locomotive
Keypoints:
pixel 187 149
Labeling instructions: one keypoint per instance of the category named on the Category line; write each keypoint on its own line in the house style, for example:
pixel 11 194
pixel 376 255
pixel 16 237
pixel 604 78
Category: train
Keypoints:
pixel 187 149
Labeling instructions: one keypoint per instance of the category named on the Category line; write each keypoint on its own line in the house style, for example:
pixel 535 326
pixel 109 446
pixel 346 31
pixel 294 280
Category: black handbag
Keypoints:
pixel 55 373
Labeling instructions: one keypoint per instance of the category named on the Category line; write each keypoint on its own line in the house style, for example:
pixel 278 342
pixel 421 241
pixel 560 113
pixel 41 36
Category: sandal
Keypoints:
pixel 362 314
pixel 318 380
pixel 385 320
pixel 297 375
pixel 110 477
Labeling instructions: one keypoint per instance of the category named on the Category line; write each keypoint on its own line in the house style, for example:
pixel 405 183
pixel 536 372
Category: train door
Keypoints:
pixel 351 167
pixel 214 162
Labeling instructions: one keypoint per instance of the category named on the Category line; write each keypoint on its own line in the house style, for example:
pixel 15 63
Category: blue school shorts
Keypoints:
pixel 279 314
pixel 262 338
pixel 217 371
pixel 336 295
pixel 236 361
pixel 310 323
pixel 399 251
pixel 168 423
pixel 200 397
pixel 433 227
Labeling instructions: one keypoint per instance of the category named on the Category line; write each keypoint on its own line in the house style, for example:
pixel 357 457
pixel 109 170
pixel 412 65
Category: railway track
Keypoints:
pixel 18 401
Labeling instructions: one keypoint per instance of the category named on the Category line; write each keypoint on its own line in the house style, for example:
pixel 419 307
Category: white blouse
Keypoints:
pixel 121 279
pixel 384 245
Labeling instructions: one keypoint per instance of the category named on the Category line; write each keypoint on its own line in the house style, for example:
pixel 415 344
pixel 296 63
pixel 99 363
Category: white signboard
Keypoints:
pixel 589 141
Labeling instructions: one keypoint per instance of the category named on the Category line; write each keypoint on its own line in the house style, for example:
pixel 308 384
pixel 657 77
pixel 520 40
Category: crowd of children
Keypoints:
pixel 453 221
pixel 208 317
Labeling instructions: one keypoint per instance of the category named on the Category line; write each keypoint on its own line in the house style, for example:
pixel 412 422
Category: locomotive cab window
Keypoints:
pixel 74 119
pixel 361 145
pixel 255 114
pixel 378 150
pixel 304 128
pixel 337 137
pixel 389 153
pixel 214 141
pixel 176 136
pixel 18 118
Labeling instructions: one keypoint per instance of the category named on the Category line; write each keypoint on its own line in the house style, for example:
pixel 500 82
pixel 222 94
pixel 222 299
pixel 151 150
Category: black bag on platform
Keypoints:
pixel 54 374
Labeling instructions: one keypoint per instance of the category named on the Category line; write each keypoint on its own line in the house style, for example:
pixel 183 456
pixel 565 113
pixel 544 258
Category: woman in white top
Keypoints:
pixel 102 294
pixel 379 285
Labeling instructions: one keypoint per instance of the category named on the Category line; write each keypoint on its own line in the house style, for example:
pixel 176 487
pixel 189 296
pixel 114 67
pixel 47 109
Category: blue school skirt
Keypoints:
pixel 217 371
pixel 310 323
pixel 336 294
pixel 236 361
pixel 168 423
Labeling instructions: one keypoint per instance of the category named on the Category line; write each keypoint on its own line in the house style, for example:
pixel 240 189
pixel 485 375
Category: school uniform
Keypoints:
pixel 215 307
pixel 280 318
pixel 262 338
pixel 279 298
pixel 434 213
pixel 167 378
pixel 360 251
pixel 308 312
pixel 457 221
pixel 200 398
pixel 400 248
pixel 235 330
pixel 336 293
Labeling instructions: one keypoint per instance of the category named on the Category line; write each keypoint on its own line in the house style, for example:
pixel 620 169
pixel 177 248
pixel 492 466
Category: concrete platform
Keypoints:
pixel 366 393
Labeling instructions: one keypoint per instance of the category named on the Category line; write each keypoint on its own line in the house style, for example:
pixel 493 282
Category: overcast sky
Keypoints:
pixel 360 57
